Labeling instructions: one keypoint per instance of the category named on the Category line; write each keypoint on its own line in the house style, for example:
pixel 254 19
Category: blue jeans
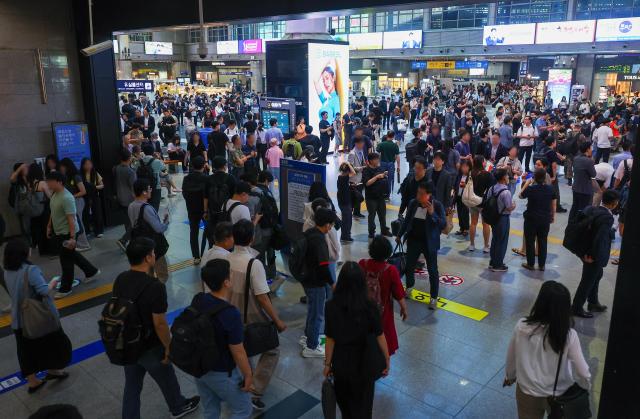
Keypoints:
pixel 499 241
pixel 512 187
pixel 332 270
pixel 215 387
pixel 388 166
pixel 163 375
pixel 316 297
pixel 275 171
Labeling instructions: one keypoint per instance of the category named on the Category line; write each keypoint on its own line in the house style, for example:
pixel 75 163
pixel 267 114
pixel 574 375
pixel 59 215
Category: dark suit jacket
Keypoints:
pixel 601 245
pixel 500 153
pixel 433 226
pixel 151 125
pixel 443 189
pixel 583 171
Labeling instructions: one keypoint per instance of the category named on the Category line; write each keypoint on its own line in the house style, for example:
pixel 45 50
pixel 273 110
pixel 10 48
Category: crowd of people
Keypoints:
pixel 459 161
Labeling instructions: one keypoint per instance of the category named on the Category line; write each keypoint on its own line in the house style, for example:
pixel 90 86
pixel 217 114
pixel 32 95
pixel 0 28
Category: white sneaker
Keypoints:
pixel 91 278
pixel 313 353
pixel 303 341
pixel 83 249
pixel 486 249
pixel 58 295
pixel 433 304
pixel 471 248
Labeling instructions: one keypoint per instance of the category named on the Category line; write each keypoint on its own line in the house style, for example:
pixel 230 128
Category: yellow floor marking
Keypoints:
pixel 180 265
pixel 451 306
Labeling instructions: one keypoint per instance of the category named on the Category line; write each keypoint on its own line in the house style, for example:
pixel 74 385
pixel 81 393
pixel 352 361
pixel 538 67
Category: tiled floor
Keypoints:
pixel 447 366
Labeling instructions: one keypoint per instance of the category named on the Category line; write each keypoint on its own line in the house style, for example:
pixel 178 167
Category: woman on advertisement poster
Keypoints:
pixel 326 87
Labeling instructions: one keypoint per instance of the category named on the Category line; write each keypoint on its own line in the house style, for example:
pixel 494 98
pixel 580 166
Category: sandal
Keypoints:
pixel 51 377
pixel 33 389
pixel 518 252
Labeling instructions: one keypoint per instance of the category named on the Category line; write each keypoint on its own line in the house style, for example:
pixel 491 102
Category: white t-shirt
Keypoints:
pixel 604 171
pixel 601 136
pixel 239 261
pixel 620 170
pixel 240 212
pixel 527 130
pixel 230 132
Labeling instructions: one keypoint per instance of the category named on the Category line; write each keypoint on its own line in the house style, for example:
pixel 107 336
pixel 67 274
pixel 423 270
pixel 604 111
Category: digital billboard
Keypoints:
pixel 251 46
pixel 362 41
pixel 328 81
pixel 565 32
pixel 624 29
pixel 522 34
pixel 227 47
pixel 158 48
pixel 402 39
pixel 559 84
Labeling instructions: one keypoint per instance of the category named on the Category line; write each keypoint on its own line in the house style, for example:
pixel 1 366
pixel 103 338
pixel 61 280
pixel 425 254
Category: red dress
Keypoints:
pixel 390 289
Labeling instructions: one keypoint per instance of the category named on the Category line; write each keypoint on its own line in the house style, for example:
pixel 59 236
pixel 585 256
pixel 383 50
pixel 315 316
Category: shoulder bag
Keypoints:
pixel 572 404
pixel 259 337
pixel 37 318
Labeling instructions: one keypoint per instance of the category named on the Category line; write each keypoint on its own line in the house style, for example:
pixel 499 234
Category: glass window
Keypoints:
pixel 271 30
pixel 399 20
pixel 245 31
pixel 604 9
pixel 339 24
pixel 350 24
pixel 141 36
pixel 194 36
pixel 451 17
pixel 531 11
pixel 217 33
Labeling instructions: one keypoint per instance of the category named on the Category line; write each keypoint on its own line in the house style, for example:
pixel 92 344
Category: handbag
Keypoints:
pixel 143 229
pixel 329 400
pixel 259 337
pixel 37 318
pixel 449 226
pixel 398 258
pixel 572 404
pixel 469 198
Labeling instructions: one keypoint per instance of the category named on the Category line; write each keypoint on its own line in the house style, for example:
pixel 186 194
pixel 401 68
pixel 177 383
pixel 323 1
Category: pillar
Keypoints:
pixel 493 12
pixel 426 18
pixel 585 72
pixel 256 75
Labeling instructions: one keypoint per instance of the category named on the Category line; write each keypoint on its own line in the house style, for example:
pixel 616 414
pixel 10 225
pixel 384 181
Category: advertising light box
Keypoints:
pixel 402 40
pixel 624 29
pixel 227 47
pixel 566 32
pixel 251 46
pixel 364 41
pixel 328 81
pixel 522 34
pixel 559 84
pixel 158 48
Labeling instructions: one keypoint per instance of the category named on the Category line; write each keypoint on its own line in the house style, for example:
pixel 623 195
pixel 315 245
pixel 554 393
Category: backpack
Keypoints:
pixel 626 176
pixel 27 202
pixel 490 213
pixel 218 193
pixel 410 151
pixel 121 330
pixel 145 171
pixel 373 285
pixel 297 259
pixel 225 214
pixel 193 346
pixel 141 228
pixel 578 235
pixel 268 208
pixel 585 129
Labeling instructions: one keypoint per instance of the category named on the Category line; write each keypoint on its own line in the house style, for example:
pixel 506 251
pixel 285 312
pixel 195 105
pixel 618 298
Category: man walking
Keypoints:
pixel 326 132
pixel 584 172
pixel 125 177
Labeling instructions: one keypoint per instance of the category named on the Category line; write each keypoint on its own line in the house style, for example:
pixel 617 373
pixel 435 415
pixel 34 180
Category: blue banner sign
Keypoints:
pixel 463 65
pixel 134 85
pixel 72 141
pixel 418 65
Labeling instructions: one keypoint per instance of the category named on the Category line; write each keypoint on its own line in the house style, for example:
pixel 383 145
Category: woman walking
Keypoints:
pixel 92 214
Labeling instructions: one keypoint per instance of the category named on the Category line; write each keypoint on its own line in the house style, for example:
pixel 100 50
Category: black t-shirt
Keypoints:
pixel 152 300
pixel 196 150
pixel 539 199
pixel 317 259
pixel 551 157
pixel 251 126
pixel 194 188
pixel 218 140
pixel 435 177
pixel 344 192
pixel 324 136
pixel 379 188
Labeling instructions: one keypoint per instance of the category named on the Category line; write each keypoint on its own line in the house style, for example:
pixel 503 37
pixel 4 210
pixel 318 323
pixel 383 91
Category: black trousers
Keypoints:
pixel 194 233
pixel 376 206
pixel 357 203
pixel 580 202
pixel 525 152
pixel 588 288
pixel 536 230
pixel 385 120
pixel 463 214
pixel 68 259
pixel 262 152
pixel 354 397
pixel 92 214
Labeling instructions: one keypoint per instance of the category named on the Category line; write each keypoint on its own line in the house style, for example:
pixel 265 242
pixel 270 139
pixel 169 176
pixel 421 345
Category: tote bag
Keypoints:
pixel 37 318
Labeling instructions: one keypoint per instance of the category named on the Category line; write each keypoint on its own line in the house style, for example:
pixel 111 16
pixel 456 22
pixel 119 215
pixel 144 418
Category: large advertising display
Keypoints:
pixel 328 81
pixel 566 32
pixel 559 84
pixel 624 29
pixel 227 47
pixel 523 34
pixel 158 48
pixel 363 41
pixel 402 39
pixel 251 46
pixel 72 141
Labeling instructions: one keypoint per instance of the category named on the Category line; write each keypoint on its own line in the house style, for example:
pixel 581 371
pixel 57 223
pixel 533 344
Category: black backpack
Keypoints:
pixel 585 129
pixel 410 151
pixel 579 233
pixel 121 330
pixel 145 171
pixel 626 175
pixel 218 192
pixel 225 214
pixel 490 213
pixel 268 208
pixel 193 346
pixel 297 259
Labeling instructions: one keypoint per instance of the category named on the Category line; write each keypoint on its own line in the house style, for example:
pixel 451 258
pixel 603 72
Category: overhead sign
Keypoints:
pixel 441 65
pixel 460 65
pixel 134 85
pixel 624 29
pixel 402 40
pixel 158 48
pixel 521 34
pixel 418 65
pixel 573 31
pixel 227 47
pixel 183 80
pixel 628 77
pixel 251 46
pixel 71 141
pixel 365 41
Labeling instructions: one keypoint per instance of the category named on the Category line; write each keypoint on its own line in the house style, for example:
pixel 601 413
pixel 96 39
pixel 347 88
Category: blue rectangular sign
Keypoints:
pixel 134 85
pixel 463 65
pixel 418 65
pixel 72 141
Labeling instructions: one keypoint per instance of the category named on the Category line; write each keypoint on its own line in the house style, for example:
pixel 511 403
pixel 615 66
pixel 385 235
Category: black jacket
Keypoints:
pixel 444 187
pixel 501 152
pixel 409 189
pixel 603 235
pixel 434 225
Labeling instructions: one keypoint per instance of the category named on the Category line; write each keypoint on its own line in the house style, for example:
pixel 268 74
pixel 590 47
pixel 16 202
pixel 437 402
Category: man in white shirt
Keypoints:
pixel 619 175
pixel 223 243
pixel 236 206
pixel 232 130
pixel 259 308
pixel 602 137
pixel 527 135
pixel 604 173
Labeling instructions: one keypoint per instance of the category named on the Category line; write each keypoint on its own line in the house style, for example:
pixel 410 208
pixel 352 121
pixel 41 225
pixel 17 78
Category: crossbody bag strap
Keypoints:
pixel 555 383
pixel 25 285
pixel 140 215
pixel 246 288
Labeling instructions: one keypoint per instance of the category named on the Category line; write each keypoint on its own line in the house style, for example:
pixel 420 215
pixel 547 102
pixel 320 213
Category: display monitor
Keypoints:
pixel 158 48
pixel 251 46
pixel 227 47
pixel 365 41
pixel 521 34
pixel 402 40
pixel 623 29
pixel 328 75
pixel 574 31
pixel 559 84
pixel 281 115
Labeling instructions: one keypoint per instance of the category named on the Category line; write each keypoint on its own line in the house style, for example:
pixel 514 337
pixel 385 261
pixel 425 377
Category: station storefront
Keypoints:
pixel 615 74
pixel 221 73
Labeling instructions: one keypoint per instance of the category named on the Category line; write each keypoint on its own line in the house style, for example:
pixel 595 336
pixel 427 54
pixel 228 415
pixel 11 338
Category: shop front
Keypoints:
pixel 151 70
pixel 615 75
pixel 222 73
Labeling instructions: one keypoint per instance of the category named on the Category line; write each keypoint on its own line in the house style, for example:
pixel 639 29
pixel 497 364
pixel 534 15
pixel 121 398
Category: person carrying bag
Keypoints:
pixel 259 337
pixel 572 404
pixel 37 318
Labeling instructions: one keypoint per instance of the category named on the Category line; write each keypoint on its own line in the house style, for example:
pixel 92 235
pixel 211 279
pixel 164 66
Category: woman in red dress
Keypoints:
pixel 389 289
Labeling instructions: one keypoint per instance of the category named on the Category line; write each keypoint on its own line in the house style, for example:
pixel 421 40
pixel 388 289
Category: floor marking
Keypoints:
pixel 449 305
pixel 293 406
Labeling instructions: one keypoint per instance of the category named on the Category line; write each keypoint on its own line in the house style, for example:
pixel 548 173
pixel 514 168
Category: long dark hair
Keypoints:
pixel 50 157
pixel 16 252
pixel 318 190
pixel 351 290
pixel 21 180
pixel 478 165
pixel 93 174
pixel 552 310
pixel 70 167
pixel 35 174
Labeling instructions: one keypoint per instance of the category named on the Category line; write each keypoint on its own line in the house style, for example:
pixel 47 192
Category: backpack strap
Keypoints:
pixel 141 215
pixel 247 287
pixel 232 207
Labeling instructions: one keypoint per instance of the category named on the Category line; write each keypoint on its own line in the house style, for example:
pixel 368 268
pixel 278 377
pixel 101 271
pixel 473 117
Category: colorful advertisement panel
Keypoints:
pixel 365 41
pixel 565 32
pixel 402 39
pixel 623 29
pixel 227 47
pixel 559 84
pixel 441 65
pixel 158 48
pixel 251 46
pixel 328 81
pixel 523 34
